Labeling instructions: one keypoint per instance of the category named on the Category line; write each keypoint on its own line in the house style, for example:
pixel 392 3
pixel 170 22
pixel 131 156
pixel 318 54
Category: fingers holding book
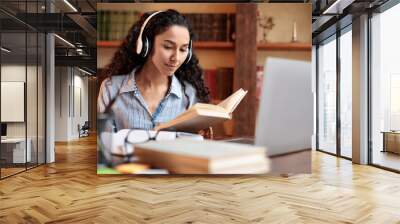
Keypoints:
pixel 207 133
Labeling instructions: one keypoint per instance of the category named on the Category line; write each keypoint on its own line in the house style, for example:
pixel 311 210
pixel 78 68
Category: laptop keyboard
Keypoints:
pixel 249 141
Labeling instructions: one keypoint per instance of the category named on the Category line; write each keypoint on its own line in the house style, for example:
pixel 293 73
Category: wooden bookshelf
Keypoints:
pixel 215 101
pixel 296 46
pixel 213 45
pixel 229 45
pixel 111 44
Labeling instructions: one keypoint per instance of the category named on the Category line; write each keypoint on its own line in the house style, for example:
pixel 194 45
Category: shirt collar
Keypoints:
pixel 176 87
pixel 129 85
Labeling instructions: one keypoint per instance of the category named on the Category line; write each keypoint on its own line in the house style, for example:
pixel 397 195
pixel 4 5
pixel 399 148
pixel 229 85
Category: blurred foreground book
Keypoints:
pixel 184 156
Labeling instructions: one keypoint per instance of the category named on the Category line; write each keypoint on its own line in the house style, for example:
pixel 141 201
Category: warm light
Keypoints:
pixel 65 41
pixel 70 5
pixel 5 50
pixel 86 72
pixel 338 6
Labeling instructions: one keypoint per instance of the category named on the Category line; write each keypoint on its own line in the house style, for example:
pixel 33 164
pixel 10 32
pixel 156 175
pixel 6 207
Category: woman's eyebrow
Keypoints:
pixel 173 42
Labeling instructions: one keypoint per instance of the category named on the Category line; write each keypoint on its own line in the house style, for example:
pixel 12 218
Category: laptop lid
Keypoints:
pixel 285 116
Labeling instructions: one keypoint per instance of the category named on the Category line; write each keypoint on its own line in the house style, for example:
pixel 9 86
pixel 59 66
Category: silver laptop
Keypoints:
pixel 285 116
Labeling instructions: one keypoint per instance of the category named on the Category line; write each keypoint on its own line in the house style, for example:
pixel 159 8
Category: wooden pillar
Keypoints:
pixel 245 68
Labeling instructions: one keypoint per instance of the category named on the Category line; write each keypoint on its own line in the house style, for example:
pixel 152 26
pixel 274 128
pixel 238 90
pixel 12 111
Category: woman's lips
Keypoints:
pixel 171 66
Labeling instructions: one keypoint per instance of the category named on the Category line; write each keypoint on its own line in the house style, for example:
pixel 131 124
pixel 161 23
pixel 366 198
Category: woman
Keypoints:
pixel 154 76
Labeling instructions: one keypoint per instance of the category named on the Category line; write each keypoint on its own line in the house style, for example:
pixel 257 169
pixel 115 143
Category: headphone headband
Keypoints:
pixel 142 49
pixel 139 42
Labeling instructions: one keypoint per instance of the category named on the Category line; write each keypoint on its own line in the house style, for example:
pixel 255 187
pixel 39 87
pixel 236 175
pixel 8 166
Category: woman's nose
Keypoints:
pixel 177 56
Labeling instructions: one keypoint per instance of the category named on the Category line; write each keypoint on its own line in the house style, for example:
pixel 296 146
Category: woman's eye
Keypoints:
pixel 167 47
pixel 184 50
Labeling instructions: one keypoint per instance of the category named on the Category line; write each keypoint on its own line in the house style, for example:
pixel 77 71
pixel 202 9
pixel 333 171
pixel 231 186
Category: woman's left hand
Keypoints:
pixel 207 133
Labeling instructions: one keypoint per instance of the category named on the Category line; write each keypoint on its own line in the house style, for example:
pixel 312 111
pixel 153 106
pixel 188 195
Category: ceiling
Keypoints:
pixel 22 20
pixel 329 16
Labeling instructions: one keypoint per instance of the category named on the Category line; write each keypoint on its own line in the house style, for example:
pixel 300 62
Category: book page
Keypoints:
pixel 202 114
pixel 233 100
pixel 211 107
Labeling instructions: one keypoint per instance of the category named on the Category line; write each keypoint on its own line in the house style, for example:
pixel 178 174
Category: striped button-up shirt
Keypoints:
pixel 121 96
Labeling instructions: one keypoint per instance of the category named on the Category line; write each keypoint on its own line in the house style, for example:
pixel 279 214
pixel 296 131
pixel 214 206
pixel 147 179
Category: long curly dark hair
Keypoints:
pixel 126 58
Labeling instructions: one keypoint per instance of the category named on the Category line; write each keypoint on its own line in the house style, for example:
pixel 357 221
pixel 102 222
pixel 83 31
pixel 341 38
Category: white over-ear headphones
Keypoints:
pixel 143 44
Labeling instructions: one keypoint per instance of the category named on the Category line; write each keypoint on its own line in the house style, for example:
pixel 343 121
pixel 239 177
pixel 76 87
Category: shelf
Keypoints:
pixel 229 45
pixel 284 46
pixel 113 43
pixel 213 45
pixel 197 44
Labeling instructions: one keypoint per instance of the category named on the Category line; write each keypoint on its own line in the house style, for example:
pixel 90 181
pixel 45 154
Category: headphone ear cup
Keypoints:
pixel 145 48
pixel 189 56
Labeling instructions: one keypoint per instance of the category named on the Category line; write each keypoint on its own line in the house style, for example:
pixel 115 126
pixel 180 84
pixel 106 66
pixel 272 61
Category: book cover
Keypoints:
pixel 210 80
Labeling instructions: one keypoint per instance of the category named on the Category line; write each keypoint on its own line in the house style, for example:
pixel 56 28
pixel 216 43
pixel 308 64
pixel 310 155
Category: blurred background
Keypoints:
pixel 232 41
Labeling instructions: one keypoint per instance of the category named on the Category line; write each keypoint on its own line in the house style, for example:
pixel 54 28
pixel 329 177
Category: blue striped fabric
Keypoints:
pixel 130 109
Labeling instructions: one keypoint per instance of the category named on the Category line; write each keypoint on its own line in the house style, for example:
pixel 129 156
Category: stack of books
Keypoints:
pixel 115 24
pixel 212 26
pixel 184 156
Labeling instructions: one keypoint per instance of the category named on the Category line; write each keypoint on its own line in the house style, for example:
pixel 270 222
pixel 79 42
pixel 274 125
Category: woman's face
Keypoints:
pixel 170 49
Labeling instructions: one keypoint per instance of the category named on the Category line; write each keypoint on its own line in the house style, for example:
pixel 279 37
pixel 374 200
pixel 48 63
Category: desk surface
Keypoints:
pixel 390 132
pixel 13 140
pixel 293 163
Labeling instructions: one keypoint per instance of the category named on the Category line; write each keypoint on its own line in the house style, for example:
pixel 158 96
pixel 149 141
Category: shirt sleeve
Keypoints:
pixel 104 96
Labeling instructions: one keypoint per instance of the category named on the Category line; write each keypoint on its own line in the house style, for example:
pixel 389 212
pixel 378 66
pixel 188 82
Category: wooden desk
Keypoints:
pixel 286 164
pixel 13 150
pixel 391 141
pixel 291 163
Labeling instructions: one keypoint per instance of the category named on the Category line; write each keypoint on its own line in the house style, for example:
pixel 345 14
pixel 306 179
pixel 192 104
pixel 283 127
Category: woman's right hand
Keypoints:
pixel 207 133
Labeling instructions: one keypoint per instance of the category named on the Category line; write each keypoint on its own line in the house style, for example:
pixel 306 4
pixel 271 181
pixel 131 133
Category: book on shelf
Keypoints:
pixel 186 156
pixel 224 80
pixel 201 116
pixel 219 82
pixel 115 24
pixel 98 26
pixel 211 82
pixel 231 27
pixel 211 26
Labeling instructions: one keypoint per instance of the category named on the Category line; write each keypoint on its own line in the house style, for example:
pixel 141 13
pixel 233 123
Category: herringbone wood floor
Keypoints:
pixel 69 191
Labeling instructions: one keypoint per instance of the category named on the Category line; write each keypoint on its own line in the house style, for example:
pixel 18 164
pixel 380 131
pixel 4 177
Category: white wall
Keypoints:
pixel 80 84
pixel 17 73
pixel 70 83
pixel 61 103
pixel 34 124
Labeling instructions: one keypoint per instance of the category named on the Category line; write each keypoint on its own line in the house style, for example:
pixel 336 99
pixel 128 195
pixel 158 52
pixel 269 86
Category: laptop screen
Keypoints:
pixel 285 116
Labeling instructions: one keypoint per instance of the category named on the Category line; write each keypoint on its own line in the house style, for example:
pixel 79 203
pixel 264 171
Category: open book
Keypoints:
pixel 201 116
